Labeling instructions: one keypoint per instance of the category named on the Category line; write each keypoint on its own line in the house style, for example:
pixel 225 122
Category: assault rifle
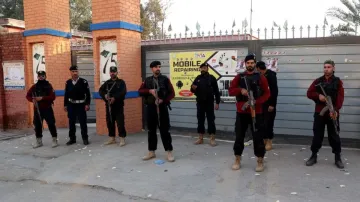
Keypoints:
pixel 251 103
pixel 157 88
pixel 36 104
pixel 108 102
pixel 329 107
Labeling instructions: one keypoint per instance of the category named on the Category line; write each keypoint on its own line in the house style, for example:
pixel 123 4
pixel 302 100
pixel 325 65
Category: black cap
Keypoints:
pixel 250 56
pixel 155 63
pixel 41 73
pixel 204 65
pixel 113 69
pixel 261 65
pixel 73 67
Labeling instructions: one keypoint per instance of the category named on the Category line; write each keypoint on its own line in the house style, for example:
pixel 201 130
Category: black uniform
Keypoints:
pixel 207 88
pixel 76 98
pixel 269 117
pixel 333 87
pixel 165 92
pixel 45 90
pixel 116 89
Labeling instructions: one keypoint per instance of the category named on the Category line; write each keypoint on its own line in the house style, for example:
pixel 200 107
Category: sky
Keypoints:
pixel 265 12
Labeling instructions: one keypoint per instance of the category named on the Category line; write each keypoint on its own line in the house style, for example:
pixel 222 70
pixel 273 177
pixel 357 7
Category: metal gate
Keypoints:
pixel 84 61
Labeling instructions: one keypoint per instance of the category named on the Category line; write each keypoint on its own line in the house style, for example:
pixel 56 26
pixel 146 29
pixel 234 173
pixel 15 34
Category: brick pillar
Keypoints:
pixel 48 34
pixel 117 39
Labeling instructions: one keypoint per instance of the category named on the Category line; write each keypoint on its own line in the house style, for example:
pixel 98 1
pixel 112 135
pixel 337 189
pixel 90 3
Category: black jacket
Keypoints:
pixel 207 88
pixel 272 81
pixel 117 90
pixel 79 91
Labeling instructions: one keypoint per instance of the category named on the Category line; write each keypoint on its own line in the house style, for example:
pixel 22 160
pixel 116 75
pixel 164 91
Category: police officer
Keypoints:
pixel 333 87
pixel 205 87
pixel 241 87
pixel 158 91
pixel 42 95
pixel 76 103
pixel 269 107
pixel 113 92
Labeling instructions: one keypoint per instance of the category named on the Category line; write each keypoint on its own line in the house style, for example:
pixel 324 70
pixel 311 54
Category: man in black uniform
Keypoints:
pixel 42 95
pixel 333 87
pixel 158 91
pixel 205 87
pixel 250 88
pixel 269 107
pixel 113 92
pixel 76 103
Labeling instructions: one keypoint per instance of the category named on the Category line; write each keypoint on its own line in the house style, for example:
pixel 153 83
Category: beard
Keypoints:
pixel 250 68
pixel 157 72
pixel 203 72
pixel 113 76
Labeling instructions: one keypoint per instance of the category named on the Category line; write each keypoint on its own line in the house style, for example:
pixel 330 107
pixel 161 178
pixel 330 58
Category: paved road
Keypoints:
pixel 200 173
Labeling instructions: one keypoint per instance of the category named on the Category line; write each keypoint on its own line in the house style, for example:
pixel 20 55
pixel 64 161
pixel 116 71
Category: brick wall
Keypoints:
pixel 129 57
pixel 58 61
pixel 52 14
pixel 13 105
pixel 116 10
pixel 55 15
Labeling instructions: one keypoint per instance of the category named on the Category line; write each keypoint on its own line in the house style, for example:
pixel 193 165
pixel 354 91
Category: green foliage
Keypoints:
pixel 12 9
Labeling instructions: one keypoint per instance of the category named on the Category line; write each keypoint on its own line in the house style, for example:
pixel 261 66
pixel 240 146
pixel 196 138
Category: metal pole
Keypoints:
pixel 251 11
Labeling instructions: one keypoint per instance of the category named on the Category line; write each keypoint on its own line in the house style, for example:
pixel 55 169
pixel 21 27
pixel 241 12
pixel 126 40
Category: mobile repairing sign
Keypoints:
pixel 184 68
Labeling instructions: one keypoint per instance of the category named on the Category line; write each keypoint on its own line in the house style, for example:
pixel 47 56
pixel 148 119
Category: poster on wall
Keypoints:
pixel 38 55
pixel 108 58
pixel 184 68
pixel 14 75
pixel 272 64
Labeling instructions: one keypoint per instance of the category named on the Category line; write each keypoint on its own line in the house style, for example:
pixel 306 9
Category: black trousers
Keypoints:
pixel 319 130
pixel 117 115
pixel 77 111
pixel 48 116
pixel 241 125
pixel 208 109
pixel 269 119
pixel 152 122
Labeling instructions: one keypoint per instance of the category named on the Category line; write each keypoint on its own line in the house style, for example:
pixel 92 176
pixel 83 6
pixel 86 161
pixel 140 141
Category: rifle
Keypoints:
pixel 108 102
pixel 36 104
pixel 251 103
pixel 157 88
pixel 329 107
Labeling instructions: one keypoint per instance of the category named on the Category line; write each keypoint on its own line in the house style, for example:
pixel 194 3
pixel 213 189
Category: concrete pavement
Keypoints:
pixel 200 173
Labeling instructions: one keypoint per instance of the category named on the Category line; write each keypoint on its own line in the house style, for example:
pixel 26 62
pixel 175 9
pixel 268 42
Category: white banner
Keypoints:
pixel 224 62
pixel 108 58
pixel 14 75
pixel 38 55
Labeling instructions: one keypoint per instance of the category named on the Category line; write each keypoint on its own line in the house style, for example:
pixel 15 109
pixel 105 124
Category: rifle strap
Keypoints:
pixel 111 87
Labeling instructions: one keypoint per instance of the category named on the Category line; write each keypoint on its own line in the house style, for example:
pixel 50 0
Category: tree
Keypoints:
pixel 343 30
pixel 155 16
pixel 350 17
pixel 12 9
pixel 152 13
pixel 85 25
pixel 80 14
pixel 165 6
pixel 145 23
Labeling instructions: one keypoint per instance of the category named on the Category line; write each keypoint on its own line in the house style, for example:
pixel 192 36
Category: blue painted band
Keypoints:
pixel 116 25
pixel 47 31
pixel 95 95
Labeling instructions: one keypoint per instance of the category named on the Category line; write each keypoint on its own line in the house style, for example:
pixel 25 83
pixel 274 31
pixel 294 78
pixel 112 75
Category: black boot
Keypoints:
pixel 71 142
pixel 338 161
pixel 312 160
pixel 86 142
